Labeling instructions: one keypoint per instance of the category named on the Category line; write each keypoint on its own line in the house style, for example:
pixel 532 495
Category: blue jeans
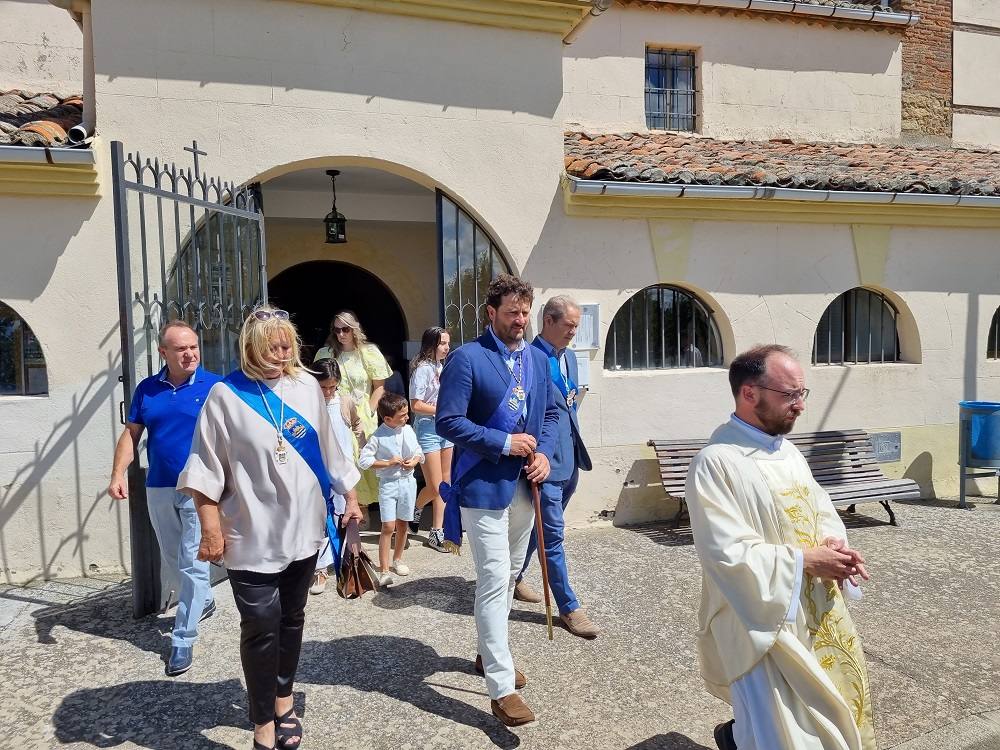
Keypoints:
pixel 178 532
pixel 555 498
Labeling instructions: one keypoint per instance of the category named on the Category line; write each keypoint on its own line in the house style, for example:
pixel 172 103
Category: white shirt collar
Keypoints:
pixel 504 349
pixel 756 435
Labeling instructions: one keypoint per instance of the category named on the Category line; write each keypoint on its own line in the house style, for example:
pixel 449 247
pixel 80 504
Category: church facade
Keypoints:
pixel 701 176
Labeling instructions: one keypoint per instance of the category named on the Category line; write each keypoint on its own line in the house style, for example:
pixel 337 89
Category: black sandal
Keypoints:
pixel 258 746
pixel 287 739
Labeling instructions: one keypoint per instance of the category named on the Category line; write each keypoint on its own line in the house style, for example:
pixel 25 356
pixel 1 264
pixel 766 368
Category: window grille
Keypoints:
pixel 22 364
pixel 469 262
pixel 993 340
pixel 662 327
pixel 671 94
pixel 859 327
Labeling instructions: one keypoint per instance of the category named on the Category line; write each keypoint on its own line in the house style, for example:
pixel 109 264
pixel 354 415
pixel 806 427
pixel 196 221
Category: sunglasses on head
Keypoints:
pixel 339 329
pixel 265 314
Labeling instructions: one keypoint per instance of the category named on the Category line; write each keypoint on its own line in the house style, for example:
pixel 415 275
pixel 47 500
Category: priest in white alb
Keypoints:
pixel 775 638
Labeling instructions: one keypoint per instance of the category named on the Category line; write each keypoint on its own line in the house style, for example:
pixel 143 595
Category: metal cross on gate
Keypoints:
pixel 196 152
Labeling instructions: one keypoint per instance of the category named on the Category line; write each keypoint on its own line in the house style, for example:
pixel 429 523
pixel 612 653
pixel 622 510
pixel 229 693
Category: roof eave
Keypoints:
pixel 609 198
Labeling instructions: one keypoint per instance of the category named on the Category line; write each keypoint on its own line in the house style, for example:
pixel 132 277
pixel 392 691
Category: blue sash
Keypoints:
pixel 504 419
pixel 564 384
pixel 298 433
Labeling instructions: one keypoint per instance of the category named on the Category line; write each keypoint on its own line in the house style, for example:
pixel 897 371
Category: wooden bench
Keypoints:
pixel 842 462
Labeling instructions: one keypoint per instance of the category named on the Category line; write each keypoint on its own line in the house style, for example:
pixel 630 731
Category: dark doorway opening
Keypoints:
pixel 313 291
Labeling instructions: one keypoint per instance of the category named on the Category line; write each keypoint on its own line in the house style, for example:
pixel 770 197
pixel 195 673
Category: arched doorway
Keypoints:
pixel 313 291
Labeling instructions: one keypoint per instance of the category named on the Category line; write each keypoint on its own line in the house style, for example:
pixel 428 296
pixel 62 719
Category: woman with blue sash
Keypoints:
pixel 263 469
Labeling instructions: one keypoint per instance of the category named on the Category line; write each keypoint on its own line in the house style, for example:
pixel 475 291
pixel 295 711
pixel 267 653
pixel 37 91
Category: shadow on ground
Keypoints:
pixel 669 536
pixel 154 714
pixel 668 741
pixel 400 668
pixel 105 614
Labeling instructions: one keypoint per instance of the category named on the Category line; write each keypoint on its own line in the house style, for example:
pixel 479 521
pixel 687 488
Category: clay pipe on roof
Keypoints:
pixel 597 7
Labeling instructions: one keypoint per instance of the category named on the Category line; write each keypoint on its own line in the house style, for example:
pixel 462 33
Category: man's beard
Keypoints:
pixel 773 424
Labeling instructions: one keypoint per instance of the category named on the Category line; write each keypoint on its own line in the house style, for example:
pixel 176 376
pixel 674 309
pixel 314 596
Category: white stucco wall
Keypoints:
pixel 55 450
pixel 974 55
pixel 979 12
pixel 267 87
pixel 40 47
pixel 759 78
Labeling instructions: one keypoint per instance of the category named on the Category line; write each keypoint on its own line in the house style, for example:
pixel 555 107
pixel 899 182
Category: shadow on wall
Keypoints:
pixel 642 498
pixel 50 232
pixel 50 456
pixel 921 471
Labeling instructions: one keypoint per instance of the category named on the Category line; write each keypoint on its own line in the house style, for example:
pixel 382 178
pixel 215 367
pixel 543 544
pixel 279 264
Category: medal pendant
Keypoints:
pixel 570 398
pixel 280 454
pixel 519 393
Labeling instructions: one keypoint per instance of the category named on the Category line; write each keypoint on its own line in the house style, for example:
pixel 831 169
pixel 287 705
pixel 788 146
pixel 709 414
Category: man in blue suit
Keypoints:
pixel 496 406
pixel 560 319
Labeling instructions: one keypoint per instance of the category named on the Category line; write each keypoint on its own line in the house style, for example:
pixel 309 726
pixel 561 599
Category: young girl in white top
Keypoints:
pixel 349 434
pixel 425 383
pixel 393 451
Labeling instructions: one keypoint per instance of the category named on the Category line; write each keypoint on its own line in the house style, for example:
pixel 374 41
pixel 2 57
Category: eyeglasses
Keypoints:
pixel 265 314
pixel 338 329
pixel 792 396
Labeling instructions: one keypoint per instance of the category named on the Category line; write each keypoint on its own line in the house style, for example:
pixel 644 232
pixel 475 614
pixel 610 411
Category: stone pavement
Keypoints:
pixel 394 670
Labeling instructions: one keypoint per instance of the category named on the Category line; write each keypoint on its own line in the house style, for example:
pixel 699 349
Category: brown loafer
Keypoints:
pixel 524 593
pixel 579 624
pixel 519 679
pixel 512 711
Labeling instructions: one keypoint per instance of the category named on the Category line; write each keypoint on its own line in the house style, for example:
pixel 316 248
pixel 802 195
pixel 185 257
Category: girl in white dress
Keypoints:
pixel 348 433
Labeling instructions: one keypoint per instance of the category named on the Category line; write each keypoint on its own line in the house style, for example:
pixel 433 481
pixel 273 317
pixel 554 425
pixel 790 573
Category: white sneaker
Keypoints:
pixel 400 568
pixel 384 579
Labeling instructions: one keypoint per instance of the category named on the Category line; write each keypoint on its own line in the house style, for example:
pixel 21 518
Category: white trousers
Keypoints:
pixel 498 540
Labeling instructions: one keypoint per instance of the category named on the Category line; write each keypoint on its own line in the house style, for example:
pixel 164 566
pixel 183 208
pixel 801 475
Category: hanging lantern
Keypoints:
pixel 336 224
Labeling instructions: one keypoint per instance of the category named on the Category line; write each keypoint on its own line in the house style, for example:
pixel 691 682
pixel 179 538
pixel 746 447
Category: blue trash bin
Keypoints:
pixel 980 434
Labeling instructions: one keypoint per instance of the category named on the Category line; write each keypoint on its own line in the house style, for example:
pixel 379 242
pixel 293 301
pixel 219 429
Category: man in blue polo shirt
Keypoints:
pixel 167 404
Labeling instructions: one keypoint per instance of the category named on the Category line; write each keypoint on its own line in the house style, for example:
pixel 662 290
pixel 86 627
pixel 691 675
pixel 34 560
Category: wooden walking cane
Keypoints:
pixel 536 498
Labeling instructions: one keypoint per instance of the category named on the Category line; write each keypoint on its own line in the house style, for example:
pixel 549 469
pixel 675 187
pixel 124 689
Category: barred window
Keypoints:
pixel 670 89
pixel 22 364
pixel 663 327
pixel 993 340
pixel 859 327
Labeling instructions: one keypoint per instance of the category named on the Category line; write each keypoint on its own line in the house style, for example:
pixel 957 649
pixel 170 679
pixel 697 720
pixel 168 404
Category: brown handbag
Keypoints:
pixel 357 574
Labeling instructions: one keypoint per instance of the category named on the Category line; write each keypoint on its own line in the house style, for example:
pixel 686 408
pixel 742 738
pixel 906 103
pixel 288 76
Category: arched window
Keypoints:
pixel 663 327
pixel 470 259
pixel 859 327
pixel 22 365
pixel 993 340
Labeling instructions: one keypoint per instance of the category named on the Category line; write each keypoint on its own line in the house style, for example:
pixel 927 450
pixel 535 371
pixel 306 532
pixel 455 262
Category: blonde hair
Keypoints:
pixel 357 332
pixel 255 345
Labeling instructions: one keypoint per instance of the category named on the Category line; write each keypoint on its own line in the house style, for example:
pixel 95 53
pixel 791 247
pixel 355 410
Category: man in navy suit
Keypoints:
pixel 496 406
pixel 560 319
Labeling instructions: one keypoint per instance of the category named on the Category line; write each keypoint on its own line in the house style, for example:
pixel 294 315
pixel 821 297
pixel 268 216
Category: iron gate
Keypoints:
pixel 188 247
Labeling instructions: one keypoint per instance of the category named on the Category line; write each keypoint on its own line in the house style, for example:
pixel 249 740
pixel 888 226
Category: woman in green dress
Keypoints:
pixel 363 372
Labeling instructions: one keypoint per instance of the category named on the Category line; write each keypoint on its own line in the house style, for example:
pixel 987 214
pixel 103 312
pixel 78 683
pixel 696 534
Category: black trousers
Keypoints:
pixel 272 614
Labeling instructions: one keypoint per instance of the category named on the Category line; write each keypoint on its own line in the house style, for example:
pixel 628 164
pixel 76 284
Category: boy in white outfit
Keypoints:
pixel 394 452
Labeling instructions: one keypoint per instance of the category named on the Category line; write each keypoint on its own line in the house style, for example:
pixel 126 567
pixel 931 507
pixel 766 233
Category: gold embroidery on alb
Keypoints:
pixel 834 637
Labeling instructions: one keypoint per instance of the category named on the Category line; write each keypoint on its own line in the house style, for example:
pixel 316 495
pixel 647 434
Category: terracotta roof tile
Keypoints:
pixel 30 119
pixel 692 160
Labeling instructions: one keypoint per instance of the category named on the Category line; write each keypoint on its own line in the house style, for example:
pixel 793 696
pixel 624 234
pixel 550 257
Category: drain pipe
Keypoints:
pixel 81 12
pixel 597 7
